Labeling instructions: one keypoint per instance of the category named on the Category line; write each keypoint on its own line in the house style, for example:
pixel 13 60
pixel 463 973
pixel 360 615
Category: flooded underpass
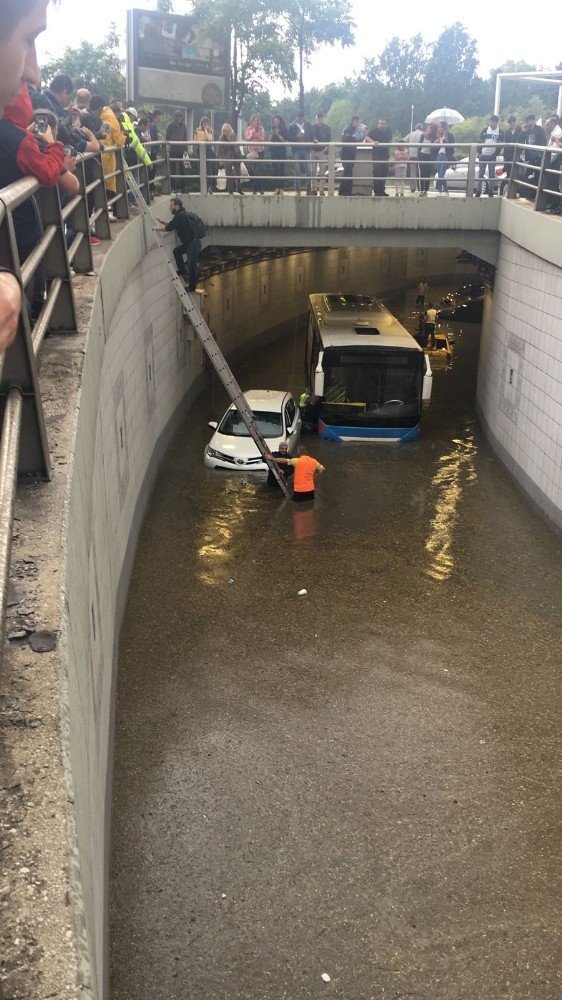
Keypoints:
pixel 357 783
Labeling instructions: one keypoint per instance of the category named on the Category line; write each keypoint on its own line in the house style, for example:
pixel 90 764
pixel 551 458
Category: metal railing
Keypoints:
pixel 355 168
pixel 65 248
pixel 45 276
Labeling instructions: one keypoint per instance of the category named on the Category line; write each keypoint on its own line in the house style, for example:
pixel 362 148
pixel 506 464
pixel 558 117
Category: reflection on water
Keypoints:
pixel 221 526
pixel 456 471
pixel 304 524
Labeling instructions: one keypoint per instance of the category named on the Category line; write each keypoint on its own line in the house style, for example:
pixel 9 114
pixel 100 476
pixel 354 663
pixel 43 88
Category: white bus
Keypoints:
pixel 367 370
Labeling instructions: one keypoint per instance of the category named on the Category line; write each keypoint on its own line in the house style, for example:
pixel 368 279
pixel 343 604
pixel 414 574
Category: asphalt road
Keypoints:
pixel 359 782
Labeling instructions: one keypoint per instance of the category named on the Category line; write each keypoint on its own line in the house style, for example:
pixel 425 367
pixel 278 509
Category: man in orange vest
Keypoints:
pixel 306 468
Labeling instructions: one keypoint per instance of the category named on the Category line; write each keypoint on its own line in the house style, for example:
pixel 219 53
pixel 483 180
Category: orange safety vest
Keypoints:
pixel 305 467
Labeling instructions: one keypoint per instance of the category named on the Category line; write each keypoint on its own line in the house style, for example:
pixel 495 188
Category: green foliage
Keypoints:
pixel 165 6
pixel 313 23
pixel 97 67
pixel 254 38
pixel 340 114
pixel 450 71
pixel 258 103
pixel 401 65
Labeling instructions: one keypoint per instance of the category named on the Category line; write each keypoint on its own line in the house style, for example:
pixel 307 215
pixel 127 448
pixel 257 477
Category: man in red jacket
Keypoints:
pixel 24 155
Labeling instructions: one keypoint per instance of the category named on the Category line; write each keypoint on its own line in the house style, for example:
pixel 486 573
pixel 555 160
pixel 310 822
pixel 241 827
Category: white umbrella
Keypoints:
pixel 445 115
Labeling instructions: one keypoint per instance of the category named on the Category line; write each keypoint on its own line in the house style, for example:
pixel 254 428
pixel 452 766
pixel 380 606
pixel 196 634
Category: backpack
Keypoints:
pixel 198 226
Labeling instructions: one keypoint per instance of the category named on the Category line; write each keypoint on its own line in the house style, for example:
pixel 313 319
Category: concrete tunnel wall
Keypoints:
pixel 519 395
pixel 143 370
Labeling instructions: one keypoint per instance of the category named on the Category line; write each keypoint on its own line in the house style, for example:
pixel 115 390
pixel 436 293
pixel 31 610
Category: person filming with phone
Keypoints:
pixel 29 148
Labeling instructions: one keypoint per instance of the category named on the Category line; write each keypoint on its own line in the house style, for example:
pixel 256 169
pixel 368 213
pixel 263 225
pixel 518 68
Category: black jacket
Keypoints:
pixel 380 135
pixel 300 133
pixel 322 133
pixel 181 224
pixel 510 139
pixel 349 135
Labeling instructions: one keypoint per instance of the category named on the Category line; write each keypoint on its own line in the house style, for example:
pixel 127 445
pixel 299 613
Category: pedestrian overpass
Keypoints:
pixel 474 225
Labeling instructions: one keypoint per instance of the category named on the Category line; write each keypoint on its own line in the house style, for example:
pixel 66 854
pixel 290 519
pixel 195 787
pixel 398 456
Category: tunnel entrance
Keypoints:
pixel 325 783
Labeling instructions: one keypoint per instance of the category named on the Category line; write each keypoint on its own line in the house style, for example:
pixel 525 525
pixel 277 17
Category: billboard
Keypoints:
pixel 170 60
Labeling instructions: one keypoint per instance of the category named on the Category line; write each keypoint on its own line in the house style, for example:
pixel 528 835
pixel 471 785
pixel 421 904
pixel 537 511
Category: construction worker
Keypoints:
pixel 306 468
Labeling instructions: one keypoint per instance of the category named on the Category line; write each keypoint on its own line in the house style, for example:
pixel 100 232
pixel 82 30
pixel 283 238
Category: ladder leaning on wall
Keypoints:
pixel 213 350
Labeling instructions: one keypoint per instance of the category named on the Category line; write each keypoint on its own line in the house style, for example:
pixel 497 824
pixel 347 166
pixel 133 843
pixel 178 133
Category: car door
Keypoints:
pixel 292 424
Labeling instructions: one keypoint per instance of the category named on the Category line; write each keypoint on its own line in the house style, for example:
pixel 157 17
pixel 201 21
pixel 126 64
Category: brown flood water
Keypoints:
pixel 360 782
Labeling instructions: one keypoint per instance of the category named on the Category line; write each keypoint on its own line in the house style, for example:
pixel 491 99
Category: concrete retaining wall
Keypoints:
pixel 519 394
pixel 141 372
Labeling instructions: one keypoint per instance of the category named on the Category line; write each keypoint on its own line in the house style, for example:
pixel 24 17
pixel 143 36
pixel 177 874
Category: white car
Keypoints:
pixel 231 447
pixel 456 176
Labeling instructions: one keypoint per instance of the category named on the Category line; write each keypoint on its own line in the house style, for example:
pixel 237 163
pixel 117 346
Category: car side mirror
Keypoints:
pixel 213 424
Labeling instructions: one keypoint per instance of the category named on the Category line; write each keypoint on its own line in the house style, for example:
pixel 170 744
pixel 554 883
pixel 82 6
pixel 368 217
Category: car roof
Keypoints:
pixel 266 400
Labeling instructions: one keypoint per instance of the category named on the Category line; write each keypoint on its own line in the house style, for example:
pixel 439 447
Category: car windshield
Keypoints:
pixel 269 424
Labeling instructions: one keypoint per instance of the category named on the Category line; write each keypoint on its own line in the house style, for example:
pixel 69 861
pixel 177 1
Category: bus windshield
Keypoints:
pixel 383 383
pixel 269 424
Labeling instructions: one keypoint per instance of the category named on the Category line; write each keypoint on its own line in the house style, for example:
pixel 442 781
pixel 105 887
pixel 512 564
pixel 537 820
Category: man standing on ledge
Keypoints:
pixel 306 468
pixel 189 228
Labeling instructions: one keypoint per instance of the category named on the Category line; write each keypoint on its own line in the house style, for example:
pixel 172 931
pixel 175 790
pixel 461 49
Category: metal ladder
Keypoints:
pixel 213 350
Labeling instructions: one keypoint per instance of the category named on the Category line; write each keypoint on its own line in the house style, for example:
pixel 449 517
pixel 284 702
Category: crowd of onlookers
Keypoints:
pixel 296 155
pixel 44 132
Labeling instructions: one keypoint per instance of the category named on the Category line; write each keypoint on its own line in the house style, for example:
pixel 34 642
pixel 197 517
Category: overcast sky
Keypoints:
pixel 500 36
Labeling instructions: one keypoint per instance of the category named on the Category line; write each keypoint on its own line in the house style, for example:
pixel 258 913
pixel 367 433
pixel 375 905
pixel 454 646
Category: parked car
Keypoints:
pixel 231 446
pixel 456 175
pixel 468 312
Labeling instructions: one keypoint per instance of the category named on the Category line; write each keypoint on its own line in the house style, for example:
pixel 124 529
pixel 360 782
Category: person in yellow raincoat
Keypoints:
pixel 110 134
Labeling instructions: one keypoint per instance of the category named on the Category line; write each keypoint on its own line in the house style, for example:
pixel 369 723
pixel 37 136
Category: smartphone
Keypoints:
pixel 69 151
pixel 41 123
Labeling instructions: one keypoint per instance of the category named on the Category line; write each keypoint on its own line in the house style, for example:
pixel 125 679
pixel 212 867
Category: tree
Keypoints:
pixel 165 6
pixel 340 115
pixel 401 64
pixel 97 67
pixel 311 23
pixel 255 41
pixel 450 72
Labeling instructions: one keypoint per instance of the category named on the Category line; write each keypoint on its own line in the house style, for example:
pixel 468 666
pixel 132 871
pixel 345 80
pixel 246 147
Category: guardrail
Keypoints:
pixel 532 172
pixel 65 249
pixel 45 276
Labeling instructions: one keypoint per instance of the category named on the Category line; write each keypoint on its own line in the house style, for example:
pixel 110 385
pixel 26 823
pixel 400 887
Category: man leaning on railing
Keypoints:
pixel 28 148
pixel 20 23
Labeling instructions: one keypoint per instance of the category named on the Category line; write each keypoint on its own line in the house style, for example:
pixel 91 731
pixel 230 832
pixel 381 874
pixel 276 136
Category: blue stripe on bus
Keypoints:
pixel 333 432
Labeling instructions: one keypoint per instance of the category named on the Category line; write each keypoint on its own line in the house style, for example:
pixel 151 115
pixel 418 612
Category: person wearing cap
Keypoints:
pixel 176 137
pixel 321 136
pixel 491 142
pixel 512 136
